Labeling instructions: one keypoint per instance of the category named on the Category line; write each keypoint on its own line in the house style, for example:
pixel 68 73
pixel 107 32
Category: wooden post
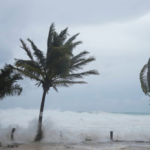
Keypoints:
pixel 111 135
pixel 12 133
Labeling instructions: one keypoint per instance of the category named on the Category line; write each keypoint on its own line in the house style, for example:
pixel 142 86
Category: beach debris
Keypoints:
pixel 111 135
pixel 88 139
pixel 12 133
pixel 67 146
pixel 61 135
pixel 14 145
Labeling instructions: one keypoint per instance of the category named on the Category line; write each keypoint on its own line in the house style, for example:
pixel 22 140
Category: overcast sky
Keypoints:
pixel 116 32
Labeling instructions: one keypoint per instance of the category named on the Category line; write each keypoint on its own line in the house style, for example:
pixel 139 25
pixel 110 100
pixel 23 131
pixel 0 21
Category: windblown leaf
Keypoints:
pixel 67 83
pixel 71 46
pixel 79 57
pixel 70 40
pixel 81 75
pixel 27 73
pixel 55 88
pixel 31 66
pixel 50 38
pixel 26 49
pixel 63 35
pixel 38 53
pixel 75 65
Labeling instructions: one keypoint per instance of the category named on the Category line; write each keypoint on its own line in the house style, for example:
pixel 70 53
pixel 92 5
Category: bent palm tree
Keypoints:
pixel 57 68
pixel 145 78
pixel 8 78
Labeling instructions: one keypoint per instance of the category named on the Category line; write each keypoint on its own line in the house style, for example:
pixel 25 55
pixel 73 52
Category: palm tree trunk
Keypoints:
pixel 39 135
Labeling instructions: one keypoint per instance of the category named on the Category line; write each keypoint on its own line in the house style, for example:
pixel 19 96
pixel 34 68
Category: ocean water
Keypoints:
pixel 73 127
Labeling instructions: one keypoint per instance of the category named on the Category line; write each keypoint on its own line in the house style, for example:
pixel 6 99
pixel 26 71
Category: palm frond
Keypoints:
pixel 79 56
pixel 70 40
pixel 6 71
pixel 16 76
pixel 50 38
pixel 8 78
pixel 36 72
pixel 63 35
pixel 71 46
pixel 38 84
pixel 67 83
pixel 55 88
pixel 26 49
pixel 30 66
pixel 56 40
pixel 58 60
pixel 11 91
pixel 148 74
pixel 20 63
pixel 38 53
pixel 27 73
pixel 16 90
pixel 144 80
pixel 79 63
pixel 81 75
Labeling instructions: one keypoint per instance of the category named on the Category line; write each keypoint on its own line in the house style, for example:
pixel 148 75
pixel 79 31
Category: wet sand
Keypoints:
pixel 81 146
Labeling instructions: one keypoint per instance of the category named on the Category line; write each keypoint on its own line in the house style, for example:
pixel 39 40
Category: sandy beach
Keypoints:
pixel 81 146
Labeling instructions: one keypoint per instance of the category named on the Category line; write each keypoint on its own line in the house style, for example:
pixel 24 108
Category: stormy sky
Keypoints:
pixel 116 32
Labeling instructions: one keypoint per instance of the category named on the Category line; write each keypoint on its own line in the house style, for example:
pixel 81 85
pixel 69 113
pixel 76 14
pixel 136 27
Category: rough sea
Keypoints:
pixel 69 126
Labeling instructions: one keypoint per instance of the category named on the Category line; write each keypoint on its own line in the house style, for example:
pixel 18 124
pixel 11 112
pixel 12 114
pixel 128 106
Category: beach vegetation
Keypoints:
pixel 59 67
pixel 8 82
pixel 145 78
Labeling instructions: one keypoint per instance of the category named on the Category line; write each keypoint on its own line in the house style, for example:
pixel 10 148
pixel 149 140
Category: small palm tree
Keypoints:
pixel 55 69
pixel 145 78
pixel 8 79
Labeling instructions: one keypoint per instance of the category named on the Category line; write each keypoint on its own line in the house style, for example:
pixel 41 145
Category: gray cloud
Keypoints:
pixel 116 32
pixel 72 12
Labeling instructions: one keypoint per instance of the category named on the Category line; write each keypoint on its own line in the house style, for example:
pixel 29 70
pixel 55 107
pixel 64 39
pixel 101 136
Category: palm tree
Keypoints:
pixel 145 78
pixel 56 68
pixel 8 79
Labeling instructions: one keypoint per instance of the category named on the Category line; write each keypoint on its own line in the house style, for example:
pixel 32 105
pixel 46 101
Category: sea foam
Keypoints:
pixel 68 126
